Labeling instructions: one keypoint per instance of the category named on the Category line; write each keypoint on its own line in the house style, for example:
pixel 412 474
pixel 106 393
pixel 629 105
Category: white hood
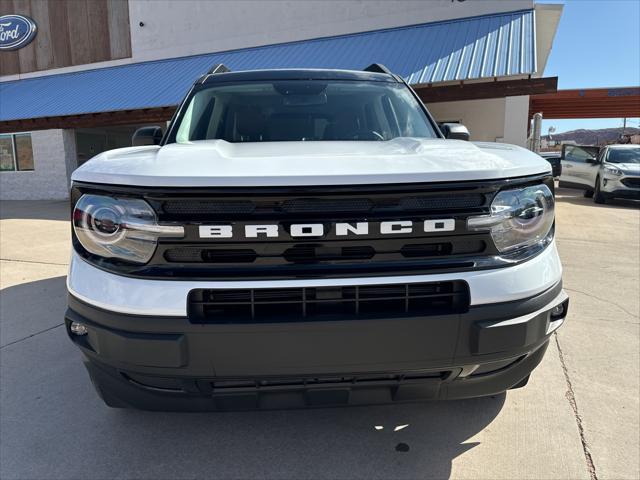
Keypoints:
pixel 212 163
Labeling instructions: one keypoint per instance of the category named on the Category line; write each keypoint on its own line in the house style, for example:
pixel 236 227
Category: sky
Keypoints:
pixel 597 45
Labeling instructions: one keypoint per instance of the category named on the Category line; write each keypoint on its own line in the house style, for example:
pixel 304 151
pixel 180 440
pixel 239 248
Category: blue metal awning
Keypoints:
pixel 489 46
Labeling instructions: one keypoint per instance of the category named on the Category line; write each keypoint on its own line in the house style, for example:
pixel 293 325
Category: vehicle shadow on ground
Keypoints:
pixel 391 441
pixel 29 308
pixel 34 210
pixel 54 426
pixel 576 197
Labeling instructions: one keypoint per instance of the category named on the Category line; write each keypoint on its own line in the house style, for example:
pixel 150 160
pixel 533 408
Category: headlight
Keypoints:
pixel 123 228
pixel 519 218
pixel 613 171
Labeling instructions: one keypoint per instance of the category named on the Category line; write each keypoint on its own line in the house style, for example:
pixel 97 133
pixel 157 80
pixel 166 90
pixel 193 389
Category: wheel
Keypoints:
pixel 598 196
pixel 588 193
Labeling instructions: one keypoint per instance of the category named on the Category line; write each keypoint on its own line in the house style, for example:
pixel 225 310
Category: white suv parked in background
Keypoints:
pixel 610 172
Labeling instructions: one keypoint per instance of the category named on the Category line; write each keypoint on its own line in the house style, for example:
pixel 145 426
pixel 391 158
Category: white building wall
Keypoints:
pixel 483 118
pixel 188 27
pixel 54 157
pixel 492 120
pixel 202 27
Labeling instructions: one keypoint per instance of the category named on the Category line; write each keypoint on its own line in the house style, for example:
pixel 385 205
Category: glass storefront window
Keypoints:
pixel 16 152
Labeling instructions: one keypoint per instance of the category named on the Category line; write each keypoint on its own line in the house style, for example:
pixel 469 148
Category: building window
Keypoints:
pixel 6 153
pixel 16 152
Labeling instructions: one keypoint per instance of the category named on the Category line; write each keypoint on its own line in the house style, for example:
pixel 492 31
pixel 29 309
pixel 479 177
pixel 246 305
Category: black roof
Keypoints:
pixel 298 74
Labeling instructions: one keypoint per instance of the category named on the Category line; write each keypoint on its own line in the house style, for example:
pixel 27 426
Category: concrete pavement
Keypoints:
pixel 577 417
pixel 600 250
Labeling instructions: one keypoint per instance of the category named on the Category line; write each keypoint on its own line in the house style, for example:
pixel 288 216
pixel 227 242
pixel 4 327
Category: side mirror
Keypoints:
pixel 592 161
pixel 147 136
pixel 454 131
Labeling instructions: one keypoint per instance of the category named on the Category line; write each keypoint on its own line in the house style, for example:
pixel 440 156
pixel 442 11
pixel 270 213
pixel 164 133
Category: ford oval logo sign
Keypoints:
pixel 16 31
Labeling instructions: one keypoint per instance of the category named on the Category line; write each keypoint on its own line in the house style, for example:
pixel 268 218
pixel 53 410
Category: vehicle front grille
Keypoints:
pixel 271 305
pixel 631 182
pixel 315 253
pixel 207 207
pixel 331 255
pixel 276 208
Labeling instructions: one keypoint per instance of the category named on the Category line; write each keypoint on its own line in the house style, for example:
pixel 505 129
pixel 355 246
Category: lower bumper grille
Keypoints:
pixel 300 392
pixel 236 385
pixel 631 182
pixel 327 303
pixel 277 383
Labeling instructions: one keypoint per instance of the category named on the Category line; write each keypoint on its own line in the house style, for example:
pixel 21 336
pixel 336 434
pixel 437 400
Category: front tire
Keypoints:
pixel 598 196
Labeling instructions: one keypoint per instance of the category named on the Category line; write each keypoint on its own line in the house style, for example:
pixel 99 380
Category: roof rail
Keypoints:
pixel 218 68
pixel 378 68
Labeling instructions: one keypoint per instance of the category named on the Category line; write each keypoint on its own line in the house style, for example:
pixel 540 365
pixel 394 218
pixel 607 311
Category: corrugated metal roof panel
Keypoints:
pixel 489 46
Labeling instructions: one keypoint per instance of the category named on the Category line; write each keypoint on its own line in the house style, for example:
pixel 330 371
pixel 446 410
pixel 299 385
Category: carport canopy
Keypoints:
pixel 587 103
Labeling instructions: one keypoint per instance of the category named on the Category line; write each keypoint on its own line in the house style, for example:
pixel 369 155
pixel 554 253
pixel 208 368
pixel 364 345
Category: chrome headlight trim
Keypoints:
pixel 519 218
pixel 123 228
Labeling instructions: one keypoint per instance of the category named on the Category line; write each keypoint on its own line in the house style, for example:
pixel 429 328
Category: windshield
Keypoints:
pixel 303 110
pixel 624 155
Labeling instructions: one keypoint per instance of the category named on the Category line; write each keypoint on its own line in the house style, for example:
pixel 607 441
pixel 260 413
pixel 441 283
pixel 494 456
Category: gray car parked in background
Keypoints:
pixel 603 173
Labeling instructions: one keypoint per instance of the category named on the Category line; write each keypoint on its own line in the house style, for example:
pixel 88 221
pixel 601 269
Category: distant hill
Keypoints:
pixel 601 136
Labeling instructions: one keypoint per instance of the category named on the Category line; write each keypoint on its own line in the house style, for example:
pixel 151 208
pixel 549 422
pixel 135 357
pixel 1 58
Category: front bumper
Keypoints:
pixel 616 187
pixel 168 298
pixel 169 363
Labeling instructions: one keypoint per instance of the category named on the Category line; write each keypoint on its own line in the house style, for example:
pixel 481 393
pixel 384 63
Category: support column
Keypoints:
pixel 516 114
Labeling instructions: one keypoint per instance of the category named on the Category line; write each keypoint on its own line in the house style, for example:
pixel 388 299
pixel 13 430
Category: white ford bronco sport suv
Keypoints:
pixel 305 238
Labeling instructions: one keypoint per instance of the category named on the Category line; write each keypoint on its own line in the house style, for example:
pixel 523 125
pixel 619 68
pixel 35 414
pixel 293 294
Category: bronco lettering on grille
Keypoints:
pixel 316 230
